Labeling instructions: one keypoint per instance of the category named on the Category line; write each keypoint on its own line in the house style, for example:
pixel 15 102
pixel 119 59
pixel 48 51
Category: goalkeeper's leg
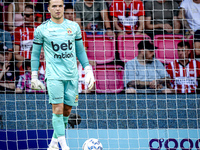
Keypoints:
pixel 59 126
pixel 56 98
pixel 66 113
pixel 70 99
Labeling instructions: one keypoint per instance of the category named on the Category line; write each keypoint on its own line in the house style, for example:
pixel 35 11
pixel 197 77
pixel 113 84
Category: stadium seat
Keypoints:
pixel 127 46
pixel 109 79
pixel 167 47
pixel 101 48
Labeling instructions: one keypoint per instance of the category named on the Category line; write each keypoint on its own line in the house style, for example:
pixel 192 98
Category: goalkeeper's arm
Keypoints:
pixel 35 62
pixel 82 57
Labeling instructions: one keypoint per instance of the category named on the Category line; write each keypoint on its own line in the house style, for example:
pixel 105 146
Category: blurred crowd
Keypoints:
pixel 113 18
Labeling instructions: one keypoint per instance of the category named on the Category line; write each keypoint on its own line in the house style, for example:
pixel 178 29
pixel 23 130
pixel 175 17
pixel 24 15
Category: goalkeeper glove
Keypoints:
pixel 35 83
pixel 89 77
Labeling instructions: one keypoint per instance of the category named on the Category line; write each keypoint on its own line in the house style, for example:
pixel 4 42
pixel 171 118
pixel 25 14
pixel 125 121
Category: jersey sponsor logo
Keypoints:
pixel 64 55
pixel 26 45
pixel 185 81
pixel 63 46
pixel 128 21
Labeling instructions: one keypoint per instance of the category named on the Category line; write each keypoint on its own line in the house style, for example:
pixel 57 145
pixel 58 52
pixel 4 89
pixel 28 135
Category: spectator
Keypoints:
pixel 69 13
pixel 7 76
pixel 24 84
pixel 189 14
pixel 5 40
pixel 145 74
pixel 108 4
pixel 184 72
pixel 38 15
pixel 15 10
pixel 67 2
pixel 128 16
pixel 24 36
pixel 42 8
pixel 1 15
pixel 93 14
pixel 161 17
pixel 197 45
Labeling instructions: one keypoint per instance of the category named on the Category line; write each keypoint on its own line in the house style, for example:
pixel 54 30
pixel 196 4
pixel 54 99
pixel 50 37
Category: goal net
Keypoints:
pixel 146 76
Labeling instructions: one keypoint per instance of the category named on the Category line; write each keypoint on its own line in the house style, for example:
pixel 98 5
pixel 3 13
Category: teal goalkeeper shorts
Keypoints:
pixel 63 91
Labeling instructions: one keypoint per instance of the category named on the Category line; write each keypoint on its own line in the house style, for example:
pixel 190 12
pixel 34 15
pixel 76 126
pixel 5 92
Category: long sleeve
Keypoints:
pixel 37 45
pixel 81 54
pixel 35 57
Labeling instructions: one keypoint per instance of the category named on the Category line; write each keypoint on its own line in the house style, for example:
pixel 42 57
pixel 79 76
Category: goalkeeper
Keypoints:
pixel 62 43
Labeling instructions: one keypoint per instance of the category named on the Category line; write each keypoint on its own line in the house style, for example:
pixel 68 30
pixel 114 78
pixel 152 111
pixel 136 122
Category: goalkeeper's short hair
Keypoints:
pixel 50 0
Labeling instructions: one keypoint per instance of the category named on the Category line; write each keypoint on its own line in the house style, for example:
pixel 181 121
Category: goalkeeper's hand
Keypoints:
pixel 89 77
pixel 35 83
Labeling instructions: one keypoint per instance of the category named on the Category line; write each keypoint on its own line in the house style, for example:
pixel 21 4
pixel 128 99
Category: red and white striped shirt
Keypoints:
pixel 119 9
pixel 184 78
pixel 24 38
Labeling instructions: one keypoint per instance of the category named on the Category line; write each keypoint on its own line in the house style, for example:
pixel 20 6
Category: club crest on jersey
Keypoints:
pixel 69 31
pixel 76 100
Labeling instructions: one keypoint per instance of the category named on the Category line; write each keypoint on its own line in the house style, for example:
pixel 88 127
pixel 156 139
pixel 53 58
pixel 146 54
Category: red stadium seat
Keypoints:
pixel 101 48
pixel 127 46
pixel 109 79
pixel 167 47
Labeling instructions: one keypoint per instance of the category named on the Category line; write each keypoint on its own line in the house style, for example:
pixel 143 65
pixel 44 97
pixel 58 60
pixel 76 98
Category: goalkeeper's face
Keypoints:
pixel 56 8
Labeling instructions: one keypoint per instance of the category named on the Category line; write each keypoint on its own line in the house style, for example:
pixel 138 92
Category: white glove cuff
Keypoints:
pixel 34 75
pixel 88 68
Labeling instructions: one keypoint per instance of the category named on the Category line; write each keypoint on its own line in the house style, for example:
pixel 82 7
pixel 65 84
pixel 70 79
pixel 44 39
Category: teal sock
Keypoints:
pixel 65 119
pixel 58 125
pixel 54 135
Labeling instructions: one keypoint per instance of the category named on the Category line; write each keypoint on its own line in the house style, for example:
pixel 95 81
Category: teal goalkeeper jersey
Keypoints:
pixel 58 41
